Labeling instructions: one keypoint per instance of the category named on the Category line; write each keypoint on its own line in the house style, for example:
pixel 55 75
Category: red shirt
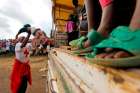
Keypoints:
pixel 105 3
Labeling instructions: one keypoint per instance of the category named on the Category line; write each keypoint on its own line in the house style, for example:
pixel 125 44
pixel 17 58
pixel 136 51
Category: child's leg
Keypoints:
pixel 90 13
pixel 105 24
pixel 23 86
pixel 93 14
pixel 134 24
pixel 135 21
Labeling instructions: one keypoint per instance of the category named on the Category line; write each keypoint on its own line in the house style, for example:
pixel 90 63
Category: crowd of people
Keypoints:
pixel 38 45
pixel 7 46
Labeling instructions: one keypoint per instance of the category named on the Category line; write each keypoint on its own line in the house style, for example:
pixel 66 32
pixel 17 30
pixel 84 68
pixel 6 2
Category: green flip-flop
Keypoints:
pixel 82 52
pixel 74 43
pixel 121 38
pixel 93 36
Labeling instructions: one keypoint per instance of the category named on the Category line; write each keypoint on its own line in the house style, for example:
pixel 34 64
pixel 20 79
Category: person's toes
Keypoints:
pixel 108 49
pixel 110 55
pixel 122 54
pixel 102 55
pixel 86 44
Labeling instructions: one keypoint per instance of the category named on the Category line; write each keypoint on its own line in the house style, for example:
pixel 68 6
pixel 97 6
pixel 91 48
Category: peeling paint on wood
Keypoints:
pixel 92 78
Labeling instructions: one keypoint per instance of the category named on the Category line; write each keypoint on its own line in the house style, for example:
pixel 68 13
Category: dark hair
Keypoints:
pixel 75 3
pixel 73 18
pixel 36 31
pixel 27 25
pixel 70 17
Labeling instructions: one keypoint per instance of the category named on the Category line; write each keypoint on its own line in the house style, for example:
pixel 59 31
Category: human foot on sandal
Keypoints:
pixel 92 38
pixel 121 49
pixel 114 54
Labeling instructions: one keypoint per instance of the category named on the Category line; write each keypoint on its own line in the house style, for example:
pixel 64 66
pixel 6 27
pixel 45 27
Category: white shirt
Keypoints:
pixel 22 54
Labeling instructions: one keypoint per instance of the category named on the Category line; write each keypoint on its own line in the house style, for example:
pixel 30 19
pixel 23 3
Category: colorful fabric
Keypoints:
pixel 105 3
pixel 19 71
pixel 70 26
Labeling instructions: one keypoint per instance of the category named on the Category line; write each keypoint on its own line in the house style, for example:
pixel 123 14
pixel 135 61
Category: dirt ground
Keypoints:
pixel 38 78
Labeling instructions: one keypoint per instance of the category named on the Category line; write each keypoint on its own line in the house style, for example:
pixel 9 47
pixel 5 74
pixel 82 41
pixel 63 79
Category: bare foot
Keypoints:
pixel 86 44
pixel 122 54
pixel 108 49
pixel 102 55
pixel 109 53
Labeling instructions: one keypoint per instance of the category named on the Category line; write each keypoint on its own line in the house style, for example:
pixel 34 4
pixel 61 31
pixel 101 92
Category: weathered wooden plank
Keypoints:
pixel 92 78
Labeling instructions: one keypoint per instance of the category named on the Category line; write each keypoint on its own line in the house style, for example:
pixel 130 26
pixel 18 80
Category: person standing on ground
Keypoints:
pixel 21 69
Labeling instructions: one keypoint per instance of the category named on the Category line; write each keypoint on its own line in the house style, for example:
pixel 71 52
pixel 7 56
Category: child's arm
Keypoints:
pixel 17 35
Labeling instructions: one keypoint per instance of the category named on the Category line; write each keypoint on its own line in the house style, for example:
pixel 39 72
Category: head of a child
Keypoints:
pixel 37 33
pixel 43 35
